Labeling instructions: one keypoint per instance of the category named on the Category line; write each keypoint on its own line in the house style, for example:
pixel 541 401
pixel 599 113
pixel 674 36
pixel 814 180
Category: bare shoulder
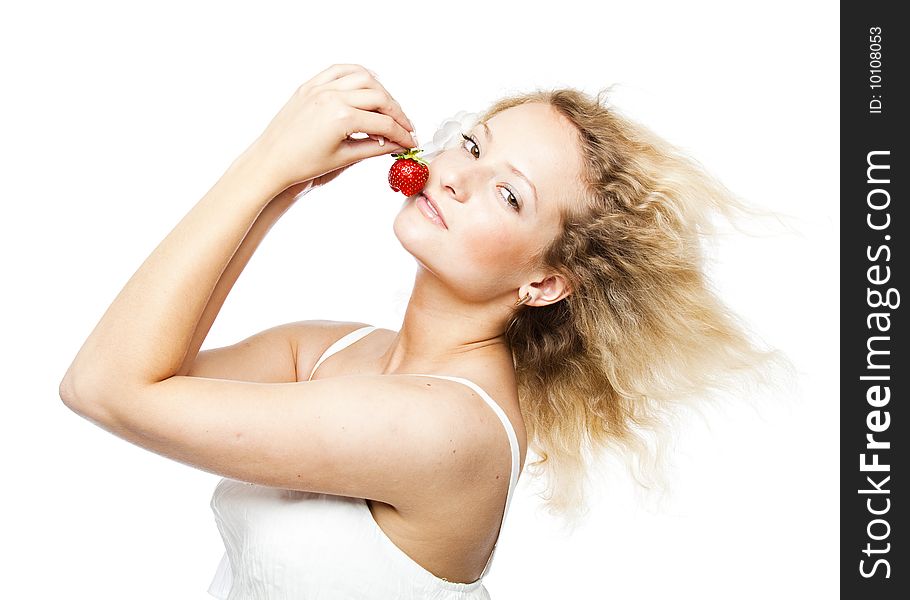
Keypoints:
pixel 317 334
pixel 470 436
pixel 484 470
pixel 474 427
pixel 310 339
pixel 273 355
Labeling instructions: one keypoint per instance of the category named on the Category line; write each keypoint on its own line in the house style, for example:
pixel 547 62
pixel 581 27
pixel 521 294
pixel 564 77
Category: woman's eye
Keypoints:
pixel 473 147
pixel 509 197
pixel 511 200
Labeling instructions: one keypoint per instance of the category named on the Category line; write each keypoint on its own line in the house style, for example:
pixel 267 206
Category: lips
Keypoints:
pixel 436 208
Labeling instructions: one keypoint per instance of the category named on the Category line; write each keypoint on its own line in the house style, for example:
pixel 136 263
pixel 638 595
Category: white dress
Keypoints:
pixel 283 544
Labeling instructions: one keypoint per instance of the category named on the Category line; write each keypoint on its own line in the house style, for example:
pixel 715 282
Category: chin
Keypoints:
pixel 408 233
pixel 416 236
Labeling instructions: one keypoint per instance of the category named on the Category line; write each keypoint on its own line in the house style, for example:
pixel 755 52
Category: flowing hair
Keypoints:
pixel 642 334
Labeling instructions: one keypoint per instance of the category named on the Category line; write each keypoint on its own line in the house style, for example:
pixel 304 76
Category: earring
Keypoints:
pixel 523 300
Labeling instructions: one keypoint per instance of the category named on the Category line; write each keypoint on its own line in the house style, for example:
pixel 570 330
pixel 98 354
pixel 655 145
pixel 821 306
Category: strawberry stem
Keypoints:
pixel 411 154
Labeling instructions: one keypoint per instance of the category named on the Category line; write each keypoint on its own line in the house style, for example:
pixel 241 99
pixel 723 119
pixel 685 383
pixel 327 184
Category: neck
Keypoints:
pixel 441 329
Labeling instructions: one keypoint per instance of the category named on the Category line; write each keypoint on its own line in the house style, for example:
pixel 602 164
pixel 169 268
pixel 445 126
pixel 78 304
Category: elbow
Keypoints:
pixel 89 397
pixel 72 396
pixel 67 391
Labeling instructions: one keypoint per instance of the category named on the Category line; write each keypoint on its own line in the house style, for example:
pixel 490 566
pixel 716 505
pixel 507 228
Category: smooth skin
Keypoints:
pixel 429 454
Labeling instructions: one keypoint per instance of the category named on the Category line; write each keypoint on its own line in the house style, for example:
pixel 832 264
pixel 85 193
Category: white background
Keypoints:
pixel 116 118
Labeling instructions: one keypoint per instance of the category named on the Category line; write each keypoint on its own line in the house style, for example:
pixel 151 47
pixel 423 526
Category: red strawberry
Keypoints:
pixel 409 172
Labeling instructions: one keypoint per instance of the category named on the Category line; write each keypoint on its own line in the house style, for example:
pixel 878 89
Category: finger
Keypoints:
pixel 378 101
pixel 361 81
pixel 357 150
pixel 375 123
pixel 336 71
pixel 358 80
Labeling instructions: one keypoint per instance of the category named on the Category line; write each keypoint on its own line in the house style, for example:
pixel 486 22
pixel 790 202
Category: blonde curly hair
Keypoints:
pixel 642 333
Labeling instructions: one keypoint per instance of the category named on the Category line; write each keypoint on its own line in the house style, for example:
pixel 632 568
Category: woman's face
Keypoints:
pixel 500 196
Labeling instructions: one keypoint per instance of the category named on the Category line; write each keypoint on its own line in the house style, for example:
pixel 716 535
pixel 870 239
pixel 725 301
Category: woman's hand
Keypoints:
pixel 309 138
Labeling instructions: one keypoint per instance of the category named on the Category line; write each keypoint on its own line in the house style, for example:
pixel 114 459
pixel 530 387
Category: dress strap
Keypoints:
pixel 513 443
pixel 341 344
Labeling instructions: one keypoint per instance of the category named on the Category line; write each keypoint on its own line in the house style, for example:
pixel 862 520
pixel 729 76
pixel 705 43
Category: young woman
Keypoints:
pixel 559 300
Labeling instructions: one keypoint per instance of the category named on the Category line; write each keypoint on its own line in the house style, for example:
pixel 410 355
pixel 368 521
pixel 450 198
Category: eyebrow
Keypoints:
pixel 489 134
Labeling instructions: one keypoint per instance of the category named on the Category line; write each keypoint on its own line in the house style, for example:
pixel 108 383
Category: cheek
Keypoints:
pixel 496 248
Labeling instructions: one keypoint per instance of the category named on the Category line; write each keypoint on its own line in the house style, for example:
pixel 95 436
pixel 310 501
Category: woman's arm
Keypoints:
pixel 145 335
pixel 267 218
pixel 148 331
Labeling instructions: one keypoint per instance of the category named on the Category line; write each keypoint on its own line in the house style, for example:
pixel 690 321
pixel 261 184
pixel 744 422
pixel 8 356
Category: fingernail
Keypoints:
pixel 414 136
pixel 381 141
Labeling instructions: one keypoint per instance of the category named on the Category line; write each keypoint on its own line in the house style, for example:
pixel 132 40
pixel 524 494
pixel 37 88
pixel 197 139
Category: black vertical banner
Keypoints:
pixel 874 371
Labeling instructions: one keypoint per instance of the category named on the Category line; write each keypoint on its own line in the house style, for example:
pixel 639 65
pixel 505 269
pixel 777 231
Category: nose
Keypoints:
pixel 460 180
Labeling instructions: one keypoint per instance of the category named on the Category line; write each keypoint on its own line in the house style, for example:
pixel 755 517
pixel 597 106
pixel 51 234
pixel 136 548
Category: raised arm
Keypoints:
pixel 329 435
pixel 267 218
pixel 148 332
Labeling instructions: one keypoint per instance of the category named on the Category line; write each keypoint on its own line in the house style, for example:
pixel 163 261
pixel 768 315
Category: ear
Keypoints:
pixel 552 288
